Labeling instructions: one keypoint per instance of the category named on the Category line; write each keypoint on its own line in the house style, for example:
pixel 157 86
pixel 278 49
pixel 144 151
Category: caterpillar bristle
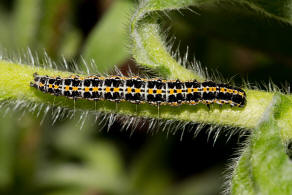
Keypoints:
pixel 155 91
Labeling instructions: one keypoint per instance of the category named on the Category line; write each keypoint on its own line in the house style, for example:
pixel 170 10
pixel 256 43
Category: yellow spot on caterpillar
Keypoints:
pixel 104 88
pixel 212 89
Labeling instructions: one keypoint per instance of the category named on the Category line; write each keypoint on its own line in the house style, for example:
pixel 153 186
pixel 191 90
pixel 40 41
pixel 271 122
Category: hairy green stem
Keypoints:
pixel 15 80
pixel 264 167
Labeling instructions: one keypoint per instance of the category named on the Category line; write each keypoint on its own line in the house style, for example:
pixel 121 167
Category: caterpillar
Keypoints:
pixel 139 90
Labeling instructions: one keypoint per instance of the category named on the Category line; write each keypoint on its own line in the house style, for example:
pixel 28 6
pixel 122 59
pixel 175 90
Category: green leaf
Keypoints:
pixel 54 25
pixel 26 19
pixel 147 177
pixel 264 167
pixel 101 166
pixel 5 29
pixel 107 44
pixel 70 43
pixel 7 150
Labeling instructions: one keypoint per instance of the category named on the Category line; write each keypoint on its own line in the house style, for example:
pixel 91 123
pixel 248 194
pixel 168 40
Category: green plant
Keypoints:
pixel 263 167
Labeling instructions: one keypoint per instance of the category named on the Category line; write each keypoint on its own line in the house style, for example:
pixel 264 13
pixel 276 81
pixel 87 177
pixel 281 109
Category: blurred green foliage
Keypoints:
pixel 66 158
pixel 69 159
pixel 112 50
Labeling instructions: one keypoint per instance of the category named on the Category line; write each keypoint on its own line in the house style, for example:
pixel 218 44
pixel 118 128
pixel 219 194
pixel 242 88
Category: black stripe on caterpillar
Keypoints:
pixel 139 90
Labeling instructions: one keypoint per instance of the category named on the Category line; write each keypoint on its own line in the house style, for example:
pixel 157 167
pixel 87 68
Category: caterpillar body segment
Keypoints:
pixel 138 90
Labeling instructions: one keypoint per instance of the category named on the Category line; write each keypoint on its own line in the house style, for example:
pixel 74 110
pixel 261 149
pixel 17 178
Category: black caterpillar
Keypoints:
pixel 139 90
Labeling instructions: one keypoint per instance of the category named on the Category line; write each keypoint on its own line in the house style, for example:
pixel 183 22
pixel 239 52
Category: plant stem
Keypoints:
pixel 15 84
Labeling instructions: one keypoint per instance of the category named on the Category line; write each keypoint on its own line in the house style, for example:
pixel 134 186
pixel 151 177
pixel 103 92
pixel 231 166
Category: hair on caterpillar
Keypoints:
pixel 39 61
pixel 107 118
pixel 128 123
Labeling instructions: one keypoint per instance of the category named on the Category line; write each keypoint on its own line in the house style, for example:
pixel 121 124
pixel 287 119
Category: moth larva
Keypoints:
pixel 139 90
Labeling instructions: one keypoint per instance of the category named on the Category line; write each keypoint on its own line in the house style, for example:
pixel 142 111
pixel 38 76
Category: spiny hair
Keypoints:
pixel 36 60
